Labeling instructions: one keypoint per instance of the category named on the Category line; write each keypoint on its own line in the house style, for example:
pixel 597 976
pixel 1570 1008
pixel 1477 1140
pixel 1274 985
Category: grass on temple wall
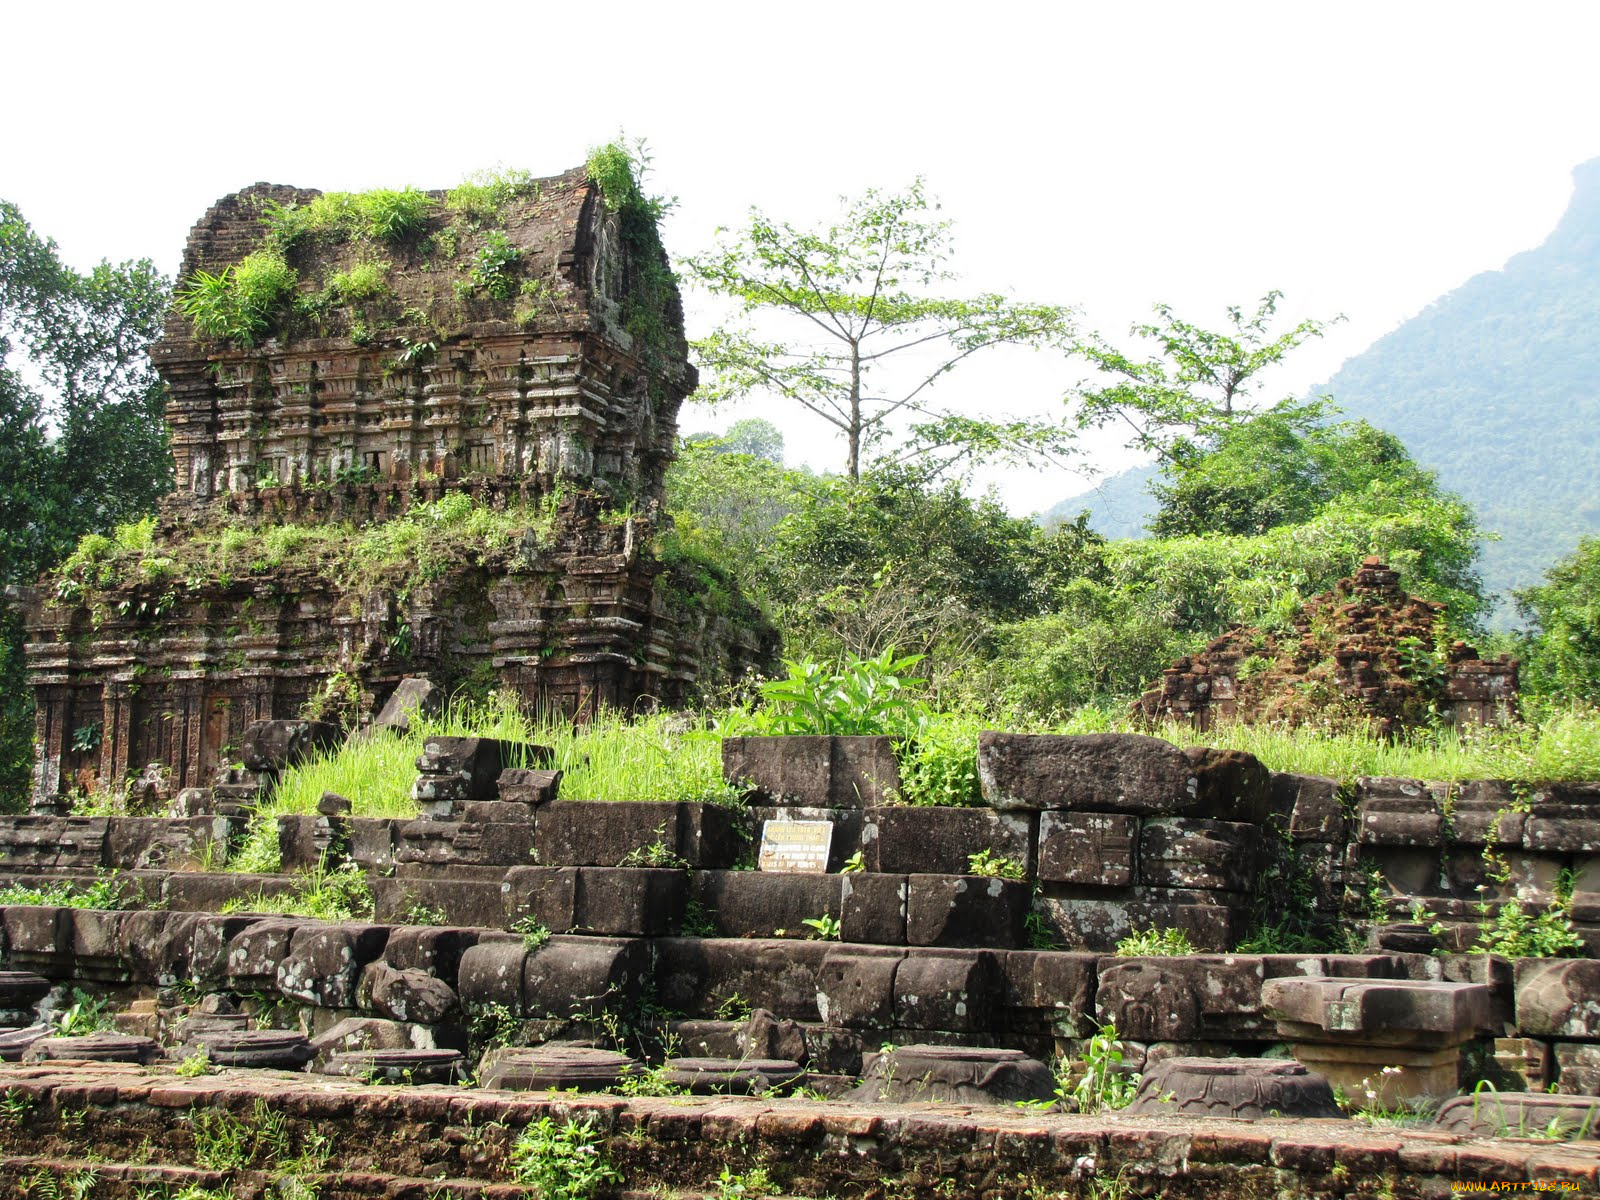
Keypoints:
pixel 1560 745
pixel 673 756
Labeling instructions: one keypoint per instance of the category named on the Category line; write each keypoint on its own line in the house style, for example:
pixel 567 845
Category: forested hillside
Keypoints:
pixel 1496 386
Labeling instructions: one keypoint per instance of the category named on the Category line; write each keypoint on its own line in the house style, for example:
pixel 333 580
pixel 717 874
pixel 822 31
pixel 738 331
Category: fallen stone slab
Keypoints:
pixel 94 1047
pixel 15 1042
pixel 279 745
pixel 954 1074
pixel 731 1076
pixel 1242 1088
pixel 553 1066
pixel 1121 773
pixel 397 1066
pixel 1490 1113
pixel 279 1049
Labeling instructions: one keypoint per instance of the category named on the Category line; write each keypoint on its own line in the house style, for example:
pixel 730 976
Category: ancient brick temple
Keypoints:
pixel 1365 653
pixel 530 358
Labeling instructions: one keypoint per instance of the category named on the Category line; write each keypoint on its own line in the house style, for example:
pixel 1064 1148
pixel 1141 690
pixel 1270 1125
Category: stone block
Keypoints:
pixel 476 903
pixel 97 946
pixel 951 990
pixel 754 904
pixel 53 843
pixel 353 1034
pixel 1481 807
pixel 464 843
pixel 1120 773
pixel 372 842
pixel 1577 1069
pixel 1184 998
pixel 545 895
pixel 256 952
pixel 279 745
pixel 1314 806
pixel 411 696
pixel 158 843
pixel 1188 852
pixel 695 976
pixel 205 958
pixel 1523 1064
pixel 208 891
pixel 966 910
pixel 902 840
pixel 491 973
pixel 467 768
pixel 820 772
pixel 873 909
pixel 307 842
pixel 630 902
pixel 324 963
pixel 1563 829
pixel 1087 849
pixel 606 833
pixel 1558 998
pixel 496 812
pixel 1211 920
pixel 408 995
pixel 1400 812
pixel 436 950
pixel 855 986
pixel 580 977
pixel 1414 1013
pixel 1397 1074
pixel 638 834
pixel 530 786
pixel 157 945
pixel 39 938
pixel 1049 989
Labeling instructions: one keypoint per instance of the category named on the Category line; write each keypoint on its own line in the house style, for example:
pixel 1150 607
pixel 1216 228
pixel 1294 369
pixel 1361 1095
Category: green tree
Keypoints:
pixel 868 333
pixel 80 451
pixel 1176 402
pixel 1562 651
pixel 1279 468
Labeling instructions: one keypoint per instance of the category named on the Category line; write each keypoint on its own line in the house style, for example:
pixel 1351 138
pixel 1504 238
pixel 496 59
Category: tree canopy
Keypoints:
pixel 83 445
pixel 868 330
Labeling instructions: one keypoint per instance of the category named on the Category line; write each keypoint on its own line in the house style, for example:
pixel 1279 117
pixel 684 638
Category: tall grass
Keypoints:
pixel 666 756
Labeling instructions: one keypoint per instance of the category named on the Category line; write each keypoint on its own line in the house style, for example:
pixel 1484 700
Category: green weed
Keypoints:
pixel 564 1161
pixel 994 866
pixel 1154 943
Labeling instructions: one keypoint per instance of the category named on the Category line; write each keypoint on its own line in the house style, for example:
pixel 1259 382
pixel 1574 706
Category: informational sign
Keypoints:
pixel 797 846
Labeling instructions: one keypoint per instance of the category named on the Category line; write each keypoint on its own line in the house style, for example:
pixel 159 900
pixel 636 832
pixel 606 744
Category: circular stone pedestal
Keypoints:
pixel 398 1066
pixel 1248 1088
pixel 15 1042
pixel 95 1047
pixel 724 1076
pixel 1521 1115
pixel 961 1074
pixel 281 1049
pixel 535 1068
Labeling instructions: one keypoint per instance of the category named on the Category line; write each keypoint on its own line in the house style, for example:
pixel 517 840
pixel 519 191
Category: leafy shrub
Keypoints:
pixel 368 280
pixel 859 696
pixel 480 196
pixel 564 1161
pixel 1103 1084
pixel 1155 943
pixel 495 266
pixel 242 303
pixel 995 866
pixel 1517 933
pixel 940 764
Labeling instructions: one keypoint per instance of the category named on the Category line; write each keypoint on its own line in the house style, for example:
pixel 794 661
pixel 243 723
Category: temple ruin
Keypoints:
pixel 1365 654
pixel 523 357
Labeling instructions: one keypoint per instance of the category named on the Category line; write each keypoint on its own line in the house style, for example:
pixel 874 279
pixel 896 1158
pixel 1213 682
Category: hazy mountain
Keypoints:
pixel 1495 385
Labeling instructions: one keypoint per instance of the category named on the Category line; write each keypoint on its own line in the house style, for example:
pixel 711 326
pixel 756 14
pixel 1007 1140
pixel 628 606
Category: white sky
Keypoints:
pixel 1362 157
